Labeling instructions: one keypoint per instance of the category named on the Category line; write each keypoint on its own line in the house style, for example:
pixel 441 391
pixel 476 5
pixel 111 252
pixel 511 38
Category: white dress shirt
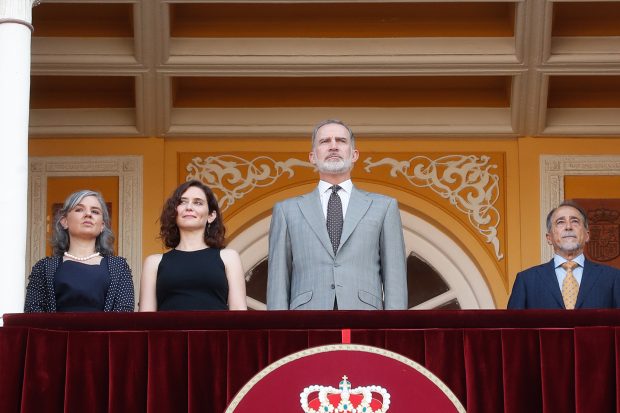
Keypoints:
pixel 344 194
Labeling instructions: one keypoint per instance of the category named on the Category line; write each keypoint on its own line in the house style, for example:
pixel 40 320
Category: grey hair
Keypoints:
pixel 571 204
pixel 335 122
pixel 60 236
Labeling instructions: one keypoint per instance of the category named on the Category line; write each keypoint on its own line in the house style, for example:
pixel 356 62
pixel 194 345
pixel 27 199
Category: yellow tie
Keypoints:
pixel 570 287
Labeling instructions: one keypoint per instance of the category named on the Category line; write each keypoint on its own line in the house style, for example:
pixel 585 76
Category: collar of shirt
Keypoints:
pixel 344 194
pixel 560 272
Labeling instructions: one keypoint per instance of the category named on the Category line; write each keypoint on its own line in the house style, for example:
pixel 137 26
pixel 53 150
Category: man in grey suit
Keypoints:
pixel 337 247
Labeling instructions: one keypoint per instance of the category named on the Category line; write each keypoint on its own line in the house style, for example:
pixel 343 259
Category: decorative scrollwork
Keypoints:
pixel 235 176
pixel 465 180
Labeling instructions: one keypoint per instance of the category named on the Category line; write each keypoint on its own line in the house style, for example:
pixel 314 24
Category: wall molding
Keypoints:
pixel 468 182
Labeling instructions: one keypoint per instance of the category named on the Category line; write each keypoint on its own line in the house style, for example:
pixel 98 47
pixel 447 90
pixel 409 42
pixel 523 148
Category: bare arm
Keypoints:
pixel 236 279
pixel 148 280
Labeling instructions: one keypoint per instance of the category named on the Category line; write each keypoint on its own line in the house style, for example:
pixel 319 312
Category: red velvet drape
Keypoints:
pixel 490 369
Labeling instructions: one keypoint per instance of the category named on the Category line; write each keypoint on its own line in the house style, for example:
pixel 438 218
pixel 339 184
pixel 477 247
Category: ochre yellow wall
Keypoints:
pixel 152 152
pixel 422 203
pixel 519 184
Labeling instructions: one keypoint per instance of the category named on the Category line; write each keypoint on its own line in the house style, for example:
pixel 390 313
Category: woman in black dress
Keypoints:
pixel 197 273
pixel 83 274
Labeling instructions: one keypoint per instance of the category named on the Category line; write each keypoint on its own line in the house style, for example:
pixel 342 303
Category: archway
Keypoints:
pixel 464 282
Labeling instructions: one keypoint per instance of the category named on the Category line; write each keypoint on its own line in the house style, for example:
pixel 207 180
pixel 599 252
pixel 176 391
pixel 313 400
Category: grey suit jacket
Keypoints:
pixel 368 272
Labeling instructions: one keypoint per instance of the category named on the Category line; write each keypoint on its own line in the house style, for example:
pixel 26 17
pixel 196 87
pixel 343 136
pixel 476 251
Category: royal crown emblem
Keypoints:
pixel 321 399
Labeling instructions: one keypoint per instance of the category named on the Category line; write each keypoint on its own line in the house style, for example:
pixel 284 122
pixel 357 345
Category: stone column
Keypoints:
pixel 15 34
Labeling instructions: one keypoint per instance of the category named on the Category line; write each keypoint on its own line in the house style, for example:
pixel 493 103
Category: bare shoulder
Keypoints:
pixel 153 260
pixel 228 254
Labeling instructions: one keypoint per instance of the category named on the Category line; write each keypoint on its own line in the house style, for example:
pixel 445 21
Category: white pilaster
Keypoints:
pixel 15 34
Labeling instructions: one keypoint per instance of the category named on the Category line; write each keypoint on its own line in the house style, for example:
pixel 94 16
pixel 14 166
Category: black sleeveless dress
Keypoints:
pixel 192 280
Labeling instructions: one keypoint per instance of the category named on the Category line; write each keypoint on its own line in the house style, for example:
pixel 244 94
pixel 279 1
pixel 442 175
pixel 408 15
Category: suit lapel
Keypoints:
pixel 310 206
pixel 551 282
pixel 358 205
pixel 589 277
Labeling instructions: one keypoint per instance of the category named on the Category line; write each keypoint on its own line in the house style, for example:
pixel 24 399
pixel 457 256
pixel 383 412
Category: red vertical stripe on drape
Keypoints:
pixel 12 356
pixel 128 367
pixel 167 372
pixel 521 370
pixel 595 386
pixel 346 336
pixel 444 358
pixel 44 372
pixel 207 366
pixel 557 370
pixel 86 383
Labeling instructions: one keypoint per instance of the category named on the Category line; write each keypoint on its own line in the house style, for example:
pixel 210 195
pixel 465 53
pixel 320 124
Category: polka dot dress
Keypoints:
pixel 41 297
pixel 120 296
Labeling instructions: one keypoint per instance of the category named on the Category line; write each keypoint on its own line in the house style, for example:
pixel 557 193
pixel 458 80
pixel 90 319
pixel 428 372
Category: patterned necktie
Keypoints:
pixel 334 217
pixel 570 287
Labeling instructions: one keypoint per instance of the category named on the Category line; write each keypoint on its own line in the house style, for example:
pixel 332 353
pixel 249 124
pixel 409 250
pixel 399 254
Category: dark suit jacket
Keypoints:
pixel 538 287
pixel 41 296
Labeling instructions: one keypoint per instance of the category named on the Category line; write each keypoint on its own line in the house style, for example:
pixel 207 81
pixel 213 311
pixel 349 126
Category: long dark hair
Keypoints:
pixel 60 236
pixel 169 231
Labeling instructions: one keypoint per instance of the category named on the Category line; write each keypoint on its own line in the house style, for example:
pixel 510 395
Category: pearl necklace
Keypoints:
pixel 86 258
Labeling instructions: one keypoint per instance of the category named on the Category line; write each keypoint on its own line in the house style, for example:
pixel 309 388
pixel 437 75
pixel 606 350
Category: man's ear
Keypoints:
pixel 312 158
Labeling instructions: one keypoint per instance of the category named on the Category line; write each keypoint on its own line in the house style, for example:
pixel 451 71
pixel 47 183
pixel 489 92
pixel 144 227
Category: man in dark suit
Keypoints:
pixel 569 280
pixel 337 246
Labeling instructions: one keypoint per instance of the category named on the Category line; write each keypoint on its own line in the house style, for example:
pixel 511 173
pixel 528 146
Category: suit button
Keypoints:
pixel 333 286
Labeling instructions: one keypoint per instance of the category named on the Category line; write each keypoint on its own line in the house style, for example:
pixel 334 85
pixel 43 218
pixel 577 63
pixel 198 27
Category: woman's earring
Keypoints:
pixel 208 228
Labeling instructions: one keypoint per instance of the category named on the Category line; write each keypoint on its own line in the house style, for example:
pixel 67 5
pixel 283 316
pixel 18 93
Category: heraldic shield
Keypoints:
pixel 370 380
pixel 604 242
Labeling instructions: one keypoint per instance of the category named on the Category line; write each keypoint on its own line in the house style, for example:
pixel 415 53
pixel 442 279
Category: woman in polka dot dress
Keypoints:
pixel 83 274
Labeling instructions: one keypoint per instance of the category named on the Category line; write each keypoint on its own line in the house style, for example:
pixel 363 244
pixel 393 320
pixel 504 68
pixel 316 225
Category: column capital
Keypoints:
pixel 17 11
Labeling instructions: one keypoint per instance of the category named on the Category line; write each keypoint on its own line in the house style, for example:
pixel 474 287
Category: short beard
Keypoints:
pixel 334 167
pixel 572 248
